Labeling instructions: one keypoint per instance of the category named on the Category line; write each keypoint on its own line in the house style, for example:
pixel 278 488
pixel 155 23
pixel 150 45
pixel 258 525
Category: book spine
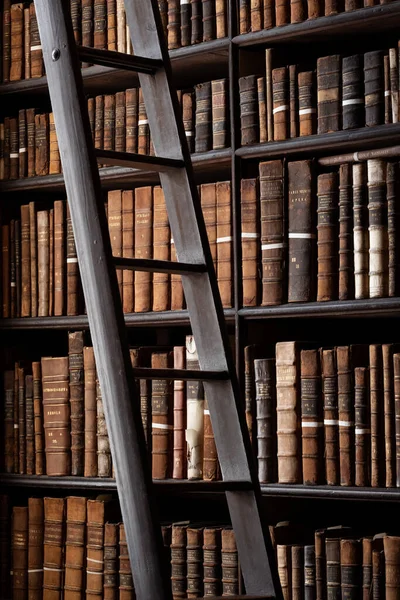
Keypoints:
pixel 203 117
pixel 208 20
pixel 143 126
pixel 114 216
pixel 244 16
pixel 378 229
pixel 59 258
pixel 297 574
pixel 109 122
pixel 328 79
pixel 250 241
pixel 17 42
pixel 248 110
pixel 188 112
pixel 333 579
pixel 100 24
pixel 162 426
pixel 280 92
pixel 307 109
pixel 43 234
pixel 128 249
pixel 111 25
pixel 120 124
pixel 311 417
pixel 42 144
pixel 99 122
pixel 143 246
pixel 282 12
pixel 394 83
pixel 212 561
pixel 19 546
pixel 110 585
pixel 73 277
pixel 131 120
pixel 29 426
pixel 360 236
pixel 250 392
pixel 177 296
pixel 40 466
pixel 346 263
pixel 126 590
pixel 350 566
pixel 178 561
pixel 76 388
pixel 174 31
pixel 219 114
pixel 387 94
pixel 121 26
pixel 229 563
pixel 16 418
pixel 35 548
pixel 283 555
pixel 37 65
pixel 75 548
pixel 90 466
pixel 185 22
pixel 161 251
pixel 21 422
pixel 53 556
pixel 95 549
pixel 30 134
pixel 293 102
pixel 8 412
pixel 104 466
pixel 221 29
pixel 391 547
pixel 262 110
pixel 374 88
pixel 309 573
pixel 392 182
pixel 265 386
pixel 197 21
pixel 378 573
pixel 256 15
pixel 87 25
pixel 18 282
pixel 331 424
pixel 76 17
pixel 366 568
pixel 194 562
pixel 327 237
pixel 54 160
pixel 353 110
pixel 389 414
pixel 7 147
pixel 362 426
pixel 14 149
pixel 320 565
pixel 269 94
pixel 195 415
pixel 6 39
pixel 179 457
pixel 51 262
pixel 224 242
pixel 210 457
pixel 377 414
pixel 25 263
pixel 297 11
pixel 22 145
pixel 346 414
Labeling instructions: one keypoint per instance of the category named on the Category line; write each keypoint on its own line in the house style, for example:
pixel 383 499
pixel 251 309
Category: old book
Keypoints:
pixel 346 251
pixel 179 456
pixel 297 11
pixel 196 21
pixel 43 233
pixel 100 24
pixel 54 154
pixel 362 426
pixel 250 353
pixel 309 573
pixel 268 14
pixel 128 249
pixel 331 424
pixel 229 563
pixel 211 471
pixel 76 391
pixel 350 566
pixel 345 384
pixel 111 25
pixel 265 384
pixel 203 139
pixel 131 120
pixel 33 259
pixel 95 549
pixel 327 236
pixel 185 12
pixel 268 94
pixel 25 262
pixel 22 144
pixel 109 122
pixel 328 81
pixel 120 122
pixel 8 411
pixel 297 574
pixel 87 24
pixel 13 282
pixel 18 283
pixel 224 242
pixel 38 419
pixel 282 12
pixel 256 15
pixel 392 193
pixel 16 417
pixel 374 88
pixel 21 422
pixel 29 426
pixel 6 148
pixel 293 102
pixel 110 580
pixel 244 16
pixel 90 464
pixel 42 144
pixel 174 25
pixel 208 197
pixel 195 415
pixel 250 241
pixel 320 564
pixel 360 239
pixel 209 23
pixel 75 535
pixel 99 122
pixel 56 415
pixel 212 561
pixel 161 251
pixel 378 229
pixel 366 568
pixel 35 548
pixel 19 548
pixel 37 65
pixel 378 567
pixel 126 590
pixel 51 262
pixel 114 216
pixel 177 296
pixel 280 92
pixel 333 572
pixel 394 83
pixel 162 415
pixel 377 414
pixel 143 246
pixel 301 232
pixel 30 141
pixel 14 148
pixel 221 28
pixel 104 464
pixel 5 243
pixel 391 547
pixel 389 414
pixel 53 555
pixel 178 561
pixel 188 114
pixel 194 561
pixel 73 276
pixel 262 110
pixel 284 556
pixel 219 114
pixel 76 17
pixel 17 42
pixel 352 92
pixel 288 412
pixel 121 26
pixel 59 258
pixel 6 40
pixel 311 416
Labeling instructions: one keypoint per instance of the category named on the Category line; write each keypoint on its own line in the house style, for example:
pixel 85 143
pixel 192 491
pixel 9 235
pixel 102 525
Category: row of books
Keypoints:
pixel 102 24
pixel 54 421
pixel 325 415
pixel 29 146
pixel 40 273
pixel 63 547
pixel 265 14
pixel 344 92
pixel 332 236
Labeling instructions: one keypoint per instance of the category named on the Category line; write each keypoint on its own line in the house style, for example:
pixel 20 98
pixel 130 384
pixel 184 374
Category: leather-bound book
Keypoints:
pixel 301 277
pixel 53 554
pixel 346 250
pixel 18 281
pixel 38 419
pixel 378 570
pixel 249 124
pixel 21 422
pixel 320 564
pixel 128 249
pixel 311 416
pixel 366 568
pixel 76 17
pixel 76 391
pixel 110 582
pixel 394 83
pixel 374 88
pixel 14 149
pixel 131 120
pixel 297 575
pixel 250 241
pixel 211 471
pixel 100 24
pixel 329 96
pixel 143 126
pixel 87 24
pixel 29 426
pixel 353 111
pixel 309 573
pixel 22 144
pixel 25 263
pixel 56 415
pixel 6 40
pixel 179 456
pixel 203 138
pixel 264 375
pixel 75 548
pixel 387 94
pixel 220 117
pixel 109 122
pixel 194 561
pixel 362 426
pixel 212 561
pixel 19 546
pixel 114 215
pixel 282 12
pixel 297 11
pixel 143 246
pixel 393 191
pixel 280 91
pixel 327 241
pixel 104 465
pixel 269 94
pixel 43 232
pixel 35 548
pixel 345 382
pixel 5 243
pixel 284 556
pixel 377 414
pixel 27 44
pixel 389 414
pixel 185 12
pixel 120 124
pixel 244 16
pixel 229 563
pixel 37 65
pixel 126 590
pixel 196 21
pixel 256 15
pixel 54 160
pixel 221 15
pixel 178 561
pixel 288 412
pixel 30 135
pixel 161 251
pixel 314 9
pixel 121 26
pixel 111 24
pixel 90 465
pixel 16 417
pixel 331 412
pixel 262 110
pixel 33 255
pixel 250 353
pixel 391 547
pixel 273 238
pixel 209 22
pixel 51 262
pixel 8 412
pixel 6 148
pixel 333 572
pixel 162 415
pixel 350 568
pixel 268 14
pixel 293 102
pixel 59 258
pixel 360 239
pixel 208 197
pixel 177 296
pixel 224 242
pixel 73 276
pixel 17 42
pixel 95 549
pixel 332 7
pixel 195 415
pixel 378 229
pixel 188 112
pixel 42 144
pixel 174 25
pixel 99 122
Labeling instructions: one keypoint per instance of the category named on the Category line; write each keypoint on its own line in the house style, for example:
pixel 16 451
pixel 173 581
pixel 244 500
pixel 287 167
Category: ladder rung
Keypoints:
pixel 179 374
pixel 119 60
pixel 138 161
pixel 158 266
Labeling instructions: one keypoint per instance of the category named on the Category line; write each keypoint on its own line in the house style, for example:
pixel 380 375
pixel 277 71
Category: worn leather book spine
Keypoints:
pixel 104 465
pixel 5 574
pixel 256 15
pixel 73 277
pixel 110 585
pixel 185 13
pixel 22 145
pixel 386 91
pixel 269 94
pixel 265 388
pixel 75 548
pixel 14 149
pixel 392 193
pixel 297 574
pixel 19 547
pixel 179 456
pixel 280 92
pixel 177 296
pixel 250 242
pixel 25 263
pixel 273 239
pixel 350 567
pixel 174 25
pixel 143 246
pixel 331 423
pixel 42 144
pixel 377 414
pixel 224 242
pixel 53 555
pixel 229 563
pixel 311 416
pixel 394 83
pixel 209 22
pixel 95 549
pixel 194 561
pixel 297 11
pixel 249 124
pixel 59 258
pixel 360 239
pixel 54 160
pixel 320 565
pixel 76 391
pixel 195 415
pixel 244 16
pixel 16 417
pixel 8 411
pixel 51 262
pixel 282 12
pixel 18 281
pixel 126 590
pixel 21 422
pixel 37 65
pixel 208 197
pixel 374 88
pixel 6 40
pixel 219 111
pixel 332 7
pixel 378 229
pixel 293 102
pixel 353 111
pixel 378 570
pixel 389 414
pixel 212 561
pixel 128 249
pixel 366 568
pixel 284 556
pixel 301 232
pixel 250 353
pixel 87 25
pixel 362 426
pixel 109 122
pixel 329 87
pixel 35 548
pixel 111 25
pixel 391 545
pixel 5 242
pixel 143 126
pixel 196 21
pixel 327 237
pixel 121 26
pixel 221 14
pixel 17 42
pixel 161 251
pixel 38 419
pixel 29 426
pixel 162 415
pixel 346 414
pixel 131 120
pixel 211 471
pixel 76 17
pixel 288 412
pixel 178 561
pixel 262 110
pixel 188 112
pixel 346 250
pixel 43 234
pixel 120 124
pixel 100 24
pixel 114 216
pixel 90 466
pixel 352 5
pixel 309 573
pixel 99 122
pixel 333 574
pixel 203 138
pixel 30 141
pixel 6 149
pixel 56 413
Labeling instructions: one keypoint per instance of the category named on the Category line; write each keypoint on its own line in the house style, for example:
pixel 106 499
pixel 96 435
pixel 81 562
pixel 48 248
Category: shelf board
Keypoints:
pixel 339 142
pixel 376 19
pixel 328 492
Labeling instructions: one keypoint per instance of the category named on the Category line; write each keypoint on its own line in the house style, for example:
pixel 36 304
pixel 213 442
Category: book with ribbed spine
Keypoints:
pixel 203 117
pixel 195 415
pixel 374 88
pixel 329 103
pixel 75 548
pixel 327 236
pixel 280 92
pixel 162 418
pixel 29 426
pixel 90 408
pixel 224 241
pixel 307 108
pixel 331 413
pixel 104 463
pixel 126 590
pixel 110 580
pixel 35 548
pixel 53 555
pixel 179 456
pixel 249 124
pixel 212 561
pixel 362 426
pixel 194 545
pixel 161 251
pixel 76 391
pixel 360 231
pixel 250 241
pixel 143 246
pixel 219 109
pixel 311 416
pixel 346 224
pixel 378 229
pixel 265 386
pixel 19 548
pixel 95 520
pixel 229 563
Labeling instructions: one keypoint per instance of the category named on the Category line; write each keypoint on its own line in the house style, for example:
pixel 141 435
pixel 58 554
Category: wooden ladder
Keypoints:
pixel 106 320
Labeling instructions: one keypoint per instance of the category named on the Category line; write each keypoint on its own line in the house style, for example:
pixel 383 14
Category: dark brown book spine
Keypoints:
pixel 346 414
pixel 21 422
pixel 250 353
pixel 109 122
pixel 13 283
pixel 17 42
pixel 248 110
pixel 309 573
pixel 327 228
pixel 387 93
pixel 352 92
pixel 6 148
pixel 30 141
pixel 311 416
pixel 366 568
pixel 194 560
pixel 37 65
pixel 25 263
pixel 29 426
pixel 297 574
pixel 203 140
pixel 178 561
pixel 53 556
pixel 143 246
pixel 73 278
pixel 120 125
pixel 99 123
pixel 143 126
pixel 378 229
pixel 362 427
pixel 161 406
pixel 320 565
pixel 185 22
pixel 110 585
pixel 100 24
pixel 329 101
pixel 40 467
pixel 377 415
pixel 264 374
pixel 350 568
pixel 131 99
pixel 8 412
pixel 22 144
pixel 374 88
pixel 35 548
pixel 229 563
pixel 18 280
pixel 179 457
pixel 76 17
pixel 219 114
pixel 16 418
pixel 174 25
pixel 87 24
pixel 262 110
pixel 90 466
pixel 346 262
pixel 331 424
pixel 19 548
pixel 394 83
pixel 14 149
pixel 76 392
pixel 6 40
pixel 75 548
pixel 95 549
pixel 389 414
pixel 250 241
pixel 212 561
pixel 280 92
pixel 5 241
pixel 393 193
pixel 196 21
pixel 208 20
pixel 42 148
pixel 293 102
pixel 333 574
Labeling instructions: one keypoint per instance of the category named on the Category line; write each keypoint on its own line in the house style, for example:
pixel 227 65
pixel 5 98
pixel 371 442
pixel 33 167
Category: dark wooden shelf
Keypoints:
pixel 364 21
pixel 328 492
pixel 327 144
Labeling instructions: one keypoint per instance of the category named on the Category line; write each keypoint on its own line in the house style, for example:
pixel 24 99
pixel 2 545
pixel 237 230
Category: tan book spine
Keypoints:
pixel 75 548
pixel 360 231
pixel 391 547
pixel 284 570
pixel 378 229
pixel 53 556
pixel 244 16
pixel 179 457
pixel 55 161
pixel 76 16
pixel 51 262
pixel 17 42
pixel 109 122
pixel 43 234
pixel 297 11
pixel 120 122
pixel 37 65
pixel 121 26
pixel 256 15
pixel 131 120
pixel 143 126
pixel 90 466
pixel 40 466
pixel 346 414
pixel 95 549
pixel 114 216
pixel 59 258
pixel 19 548
pixel 161 251
pixel 250 242
pixel 282 12
pixel 100 24
pixel 224 242
pixel 128 249
pixel 221 18
pixel 229 563
pixel 99 123
pixel 143 246
pixel 104 464
pixel 35 548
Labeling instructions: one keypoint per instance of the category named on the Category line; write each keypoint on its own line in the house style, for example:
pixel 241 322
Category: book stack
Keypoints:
pixel 341 93
pixel 330 415
pixel 332 236
pixel 54 420
pixel 40 273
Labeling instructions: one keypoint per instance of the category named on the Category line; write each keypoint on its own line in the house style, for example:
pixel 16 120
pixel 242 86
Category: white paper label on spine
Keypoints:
pixel 279 109
pixel 71 260
pixel 273 246
pixel 307 111
pixel 250 236
pixel 161 426
pixel 331 422
pixel 311 424
pixel 143 122
pixel 302 236
pixel 352 101
pixel 224 239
